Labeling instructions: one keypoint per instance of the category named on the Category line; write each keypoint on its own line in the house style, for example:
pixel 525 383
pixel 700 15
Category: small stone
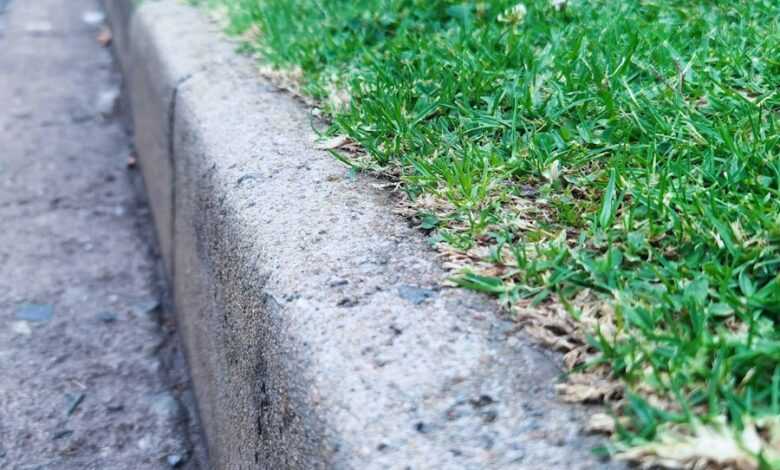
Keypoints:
pixel 482 401
pixel 421 427
pixel 61 434
pixel 93 17
pixel 347 302
pixel 107 101
pixel 149 311
pixel 145 443
pixel 153 348
pixel 175 460
pixel 245 178
pixel 415 295
pixel 115 407
pixel 166 405
pixel 515 455
pixel 35 312
pixel 490 416
pixel 21 328
pixel 148 307
pixel 106 317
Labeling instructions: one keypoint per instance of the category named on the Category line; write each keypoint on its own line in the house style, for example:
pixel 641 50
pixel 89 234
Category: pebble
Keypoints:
pixel 175 460
pixel 338 282
pixel 93 17
pixel 415 295
pixel 21 328
pixel 145 443
pixel 348 302
pixel 35 312
pixel 106 317
pixel 107 102
pixel 422 428
pixel 166 405
pixel 147 307
pixel 489 416
pixel 115 407
pixel 482 401
pixel 245 178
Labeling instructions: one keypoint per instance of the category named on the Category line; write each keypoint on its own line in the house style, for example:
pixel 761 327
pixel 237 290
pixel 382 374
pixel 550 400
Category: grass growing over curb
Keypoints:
pixel 613 163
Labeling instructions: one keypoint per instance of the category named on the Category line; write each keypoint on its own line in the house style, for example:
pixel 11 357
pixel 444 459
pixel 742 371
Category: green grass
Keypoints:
pixel 627 148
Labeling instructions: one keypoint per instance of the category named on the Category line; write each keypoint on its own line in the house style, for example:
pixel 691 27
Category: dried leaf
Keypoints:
pixel 601 423
pixel 713 445
pixel 334 143
pixel 589 388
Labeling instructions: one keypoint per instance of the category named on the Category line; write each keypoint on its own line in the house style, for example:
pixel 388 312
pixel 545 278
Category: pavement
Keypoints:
pixel 91 374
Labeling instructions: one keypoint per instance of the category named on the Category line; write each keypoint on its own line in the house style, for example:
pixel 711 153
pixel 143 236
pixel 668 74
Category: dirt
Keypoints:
pixel 91 374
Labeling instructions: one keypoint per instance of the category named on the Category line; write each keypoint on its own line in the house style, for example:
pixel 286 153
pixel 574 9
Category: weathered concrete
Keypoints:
pixel 91 376
pixel 142 62
pixel 291 286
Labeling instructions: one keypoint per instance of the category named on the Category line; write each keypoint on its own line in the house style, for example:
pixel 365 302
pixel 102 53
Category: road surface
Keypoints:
pixel 90 371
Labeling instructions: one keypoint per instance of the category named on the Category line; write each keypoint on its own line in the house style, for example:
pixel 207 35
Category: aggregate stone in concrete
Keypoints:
pixel 315 332
pixel 79 386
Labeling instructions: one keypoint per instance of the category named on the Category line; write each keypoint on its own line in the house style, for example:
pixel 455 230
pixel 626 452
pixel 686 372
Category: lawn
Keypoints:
pixel 608 169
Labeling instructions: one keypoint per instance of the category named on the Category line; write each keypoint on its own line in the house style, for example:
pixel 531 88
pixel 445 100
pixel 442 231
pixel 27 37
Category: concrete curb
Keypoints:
pixel 314 330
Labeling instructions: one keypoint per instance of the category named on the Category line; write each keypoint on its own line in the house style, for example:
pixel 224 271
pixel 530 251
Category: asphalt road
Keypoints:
pixel 90 371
